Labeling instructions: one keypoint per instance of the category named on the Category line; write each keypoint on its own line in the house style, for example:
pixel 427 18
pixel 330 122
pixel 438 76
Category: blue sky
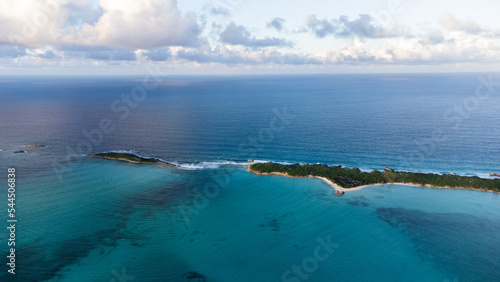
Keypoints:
pixel 83 37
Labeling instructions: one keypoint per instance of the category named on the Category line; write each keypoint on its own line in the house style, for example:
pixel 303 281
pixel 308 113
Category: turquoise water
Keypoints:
pixel 145 220
pixel 211 220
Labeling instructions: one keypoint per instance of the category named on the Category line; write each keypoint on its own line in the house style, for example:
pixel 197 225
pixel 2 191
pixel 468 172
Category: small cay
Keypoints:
pixel 129 157
pixel 352 177
pixel 35 146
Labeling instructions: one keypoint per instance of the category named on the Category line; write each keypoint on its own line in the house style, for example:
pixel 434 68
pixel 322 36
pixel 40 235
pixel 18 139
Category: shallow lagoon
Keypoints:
pixel 145 220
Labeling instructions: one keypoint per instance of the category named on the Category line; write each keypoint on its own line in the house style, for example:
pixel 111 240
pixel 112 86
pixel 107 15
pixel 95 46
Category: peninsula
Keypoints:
pixel 344 179
pixel 129 157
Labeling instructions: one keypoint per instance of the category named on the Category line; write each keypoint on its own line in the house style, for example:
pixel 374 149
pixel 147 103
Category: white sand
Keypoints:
pixel 342 189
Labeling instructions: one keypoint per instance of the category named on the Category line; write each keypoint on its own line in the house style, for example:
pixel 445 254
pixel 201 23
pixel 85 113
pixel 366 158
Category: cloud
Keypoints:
pixel 451 23
pixel 113 55
pixel 224 55
pixel 81 12
pixel 142 24
pixel 396 51
pixel 111 32
pixel 432 49
pixel 276 23
pixel 411 51
pixel 9 51
pixel 457 48
pixel 49 54
pixel 218 11
pixel 121 23
pixel 321 28
pixel 434 36
pixel 364 27
pixel 158 54
pixel 239 35
pixel 100 53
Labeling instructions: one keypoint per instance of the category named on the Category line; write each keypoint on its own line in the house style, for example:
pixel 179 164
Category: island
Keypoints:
pixel 130 157
pixel 344 179
pixel 36 146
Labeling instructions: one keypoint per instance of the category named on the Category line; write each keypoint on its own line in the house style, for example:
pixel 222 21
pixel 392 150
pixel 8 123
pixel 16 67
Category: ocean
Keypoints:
pixel 85 219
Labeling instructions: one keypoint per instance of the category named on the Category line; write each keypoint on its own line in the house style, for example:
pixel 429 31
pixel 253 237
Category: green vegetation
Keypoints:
pixel 129 158
pixel 349 178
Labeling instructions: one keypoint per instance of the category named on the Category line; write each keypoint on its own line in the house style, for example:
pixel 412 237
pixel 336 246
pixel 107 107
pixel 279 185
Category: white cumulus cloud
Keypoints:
pixel 124 23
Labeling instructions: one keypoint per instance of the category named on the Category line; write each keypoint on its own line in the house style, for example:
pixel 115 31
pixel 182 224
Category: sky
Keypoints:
pixel 127 37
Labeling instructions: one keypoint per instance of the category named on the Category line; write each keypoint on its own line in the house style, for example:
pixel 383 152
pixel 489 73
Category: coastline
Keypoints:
pixel 341 190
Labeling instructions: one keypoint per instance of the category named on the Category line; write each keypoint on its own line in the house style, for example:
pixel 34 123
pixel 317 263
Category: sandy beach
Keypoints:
pixel 343 190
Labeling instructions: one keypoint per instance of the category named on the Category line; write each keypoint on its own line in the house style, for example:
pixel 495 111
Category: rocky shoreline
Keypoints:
pixel 130 158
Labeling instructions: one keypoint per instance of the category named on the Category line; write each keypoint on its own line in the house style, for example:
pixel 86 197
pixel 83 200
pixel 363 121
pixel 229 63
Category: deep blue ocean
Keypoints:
pixel 85 219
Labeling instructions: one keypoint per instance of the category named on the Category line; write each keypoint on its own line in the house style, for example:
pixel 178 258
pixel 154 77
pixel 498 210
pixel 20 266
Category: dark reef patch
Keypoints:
pixel 192 276
pixel 459 245
pixel 353 203
pixel 276 221
pixel 35 263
